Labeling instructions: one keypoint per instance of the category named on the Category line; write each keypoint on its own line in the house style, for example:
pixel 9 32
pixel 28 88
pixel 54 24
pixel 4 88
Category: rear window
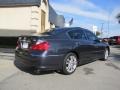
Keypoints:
pixel 52 32
pixel 77 34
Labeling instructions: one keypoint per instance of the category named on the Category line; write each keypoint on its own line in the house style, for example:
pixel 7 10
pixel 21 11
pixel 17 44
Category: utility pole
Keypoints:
pixel 108 25
pixel 102 29
pixel 108 22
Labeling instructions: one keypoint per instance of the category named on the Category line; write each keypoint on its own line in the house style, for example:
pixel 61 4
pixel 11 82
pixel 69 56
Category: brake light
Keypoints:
pixel 43 46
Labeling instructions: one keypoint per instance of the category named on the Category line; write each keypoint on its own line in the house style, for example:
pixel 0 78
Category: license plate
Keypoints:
pixel 25 45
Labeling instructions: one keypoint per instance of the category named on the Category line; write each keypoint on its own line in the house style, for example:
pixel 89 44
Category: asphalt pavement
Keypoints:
pixel 98 75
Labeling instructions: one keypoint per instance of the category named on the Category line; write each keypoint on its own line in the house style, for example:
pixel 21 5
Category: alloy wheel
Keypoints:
pixel 106 54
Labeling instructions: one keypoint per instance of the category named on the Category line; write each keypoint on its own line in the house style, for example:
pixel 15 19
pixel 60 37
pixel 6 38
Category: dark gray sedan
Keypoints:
pixel 61 49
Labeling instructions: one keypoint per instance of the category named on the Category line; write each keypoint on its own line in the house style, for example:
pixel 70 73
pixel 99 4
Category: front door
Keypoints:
pixel 95 47
pixel 42 21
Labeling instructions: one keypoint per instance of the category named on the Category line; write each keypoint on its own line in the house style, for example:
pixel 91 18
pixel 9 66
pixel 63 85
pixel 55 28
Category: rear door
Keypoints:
pixel 82 45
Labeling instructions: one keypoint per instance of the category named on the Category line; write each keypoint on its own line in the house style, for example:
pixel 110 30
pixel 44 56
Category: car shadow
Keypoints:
pixel 116 57
pixel 31 70
pixel 113 66
pixel 117 46
pixel 88 71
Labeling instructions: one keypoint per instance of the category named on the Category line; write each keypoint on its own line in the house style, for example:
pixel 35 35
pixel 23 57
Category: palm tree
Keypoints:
pixel 98 33
pixel 118 17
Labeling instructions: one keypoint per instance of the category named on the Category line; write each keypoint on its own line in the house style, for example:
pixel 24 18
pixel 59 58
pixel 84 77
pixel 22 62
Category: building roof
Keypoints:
pixel 5 3
pixel 54 18
pixel 52 15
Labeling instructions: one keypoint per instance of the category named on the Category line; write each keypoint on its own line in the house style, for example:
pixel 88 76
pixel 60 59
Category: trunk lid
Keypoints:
pixel 25 42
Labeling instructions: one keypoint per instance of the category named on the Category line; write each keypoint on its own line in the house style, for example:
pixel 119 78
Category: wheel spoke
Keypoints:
pixel 67 61
pixel 106 54
pixel 71 64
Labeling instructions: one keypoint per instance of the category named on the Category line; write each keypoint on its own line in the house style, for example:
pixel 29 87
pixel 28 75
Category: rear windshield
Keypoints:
pixel 52 32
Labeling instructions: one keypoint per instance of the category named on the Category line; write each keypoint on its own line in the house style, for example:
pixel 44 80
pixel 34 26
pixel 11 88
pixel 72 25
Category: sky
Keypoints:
pixel 89 13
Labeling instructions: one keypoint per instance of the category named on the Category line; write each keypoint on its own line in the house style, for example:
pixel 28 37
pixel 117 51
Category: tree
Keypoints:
pixel 98 33
pixel 118 17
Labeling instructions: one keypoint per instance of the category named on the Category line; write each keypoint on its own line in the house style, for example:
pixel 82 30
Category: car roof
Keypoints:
pixel 57 31
pixel 71 28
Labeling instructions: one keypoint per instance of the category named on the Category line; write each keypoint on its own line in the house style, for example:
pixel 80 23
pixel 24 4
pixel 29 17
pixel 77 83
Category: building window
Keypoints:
pixel 43 16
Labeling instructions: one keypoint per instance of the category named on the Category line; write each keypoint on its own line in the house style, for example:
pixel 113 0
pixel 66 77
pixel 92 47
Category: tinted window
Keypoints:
pixel 90 36
pixel 77 34
pixel 53 32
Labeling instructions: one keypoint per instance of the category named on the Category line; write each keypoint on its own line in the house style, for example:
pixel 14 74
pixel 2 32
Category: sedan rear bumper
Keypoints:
pixel 51 62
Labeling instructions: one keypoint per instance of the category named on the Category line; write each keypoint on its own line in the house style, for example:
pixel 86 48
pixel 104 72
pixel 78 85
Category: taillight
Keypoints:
pixel 43 46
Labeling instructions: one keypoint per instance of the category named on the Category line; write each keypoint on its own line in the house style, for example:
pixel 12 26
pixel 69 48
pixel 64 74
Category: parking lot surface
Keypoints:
pixel 98 75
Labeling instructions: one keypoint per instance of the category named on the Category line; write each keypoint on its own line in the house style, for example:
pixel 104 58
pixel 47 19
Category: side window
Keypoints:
pixel 90 36
pixel 77 34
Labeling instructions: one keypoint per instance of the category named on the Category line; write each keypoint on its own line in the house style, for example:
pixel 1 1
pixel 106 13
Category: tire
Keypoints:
pixel 106 55
pixel 70 64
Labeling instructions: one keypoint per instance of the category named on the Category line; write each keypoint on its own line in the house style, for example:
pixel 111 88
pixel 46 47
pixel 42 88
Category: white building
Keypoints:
pixel 24 17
